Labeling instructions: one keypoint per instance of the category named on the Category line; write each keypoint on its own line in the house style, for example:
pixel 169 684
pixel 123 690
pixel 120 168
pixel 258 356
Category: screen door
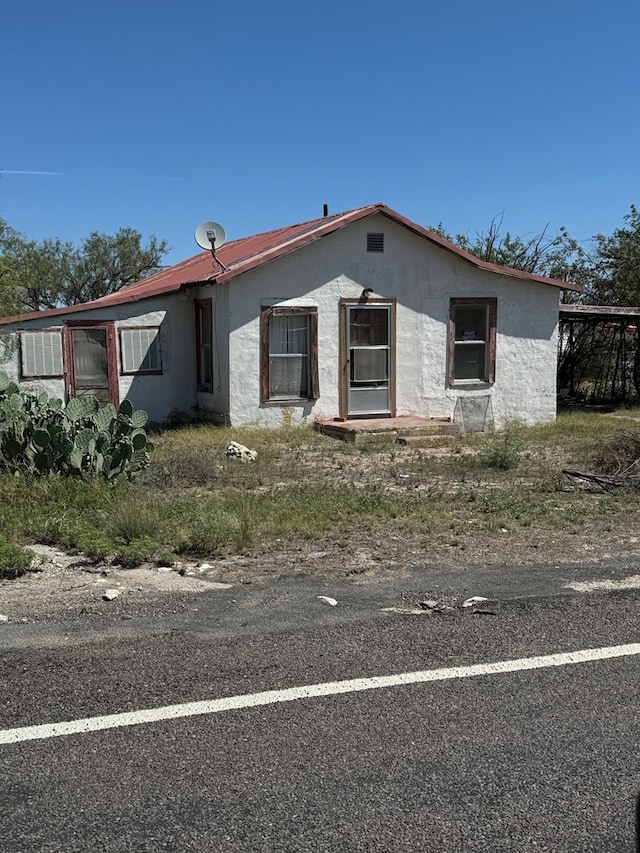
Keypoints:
pixel 93 363
pixel 368 329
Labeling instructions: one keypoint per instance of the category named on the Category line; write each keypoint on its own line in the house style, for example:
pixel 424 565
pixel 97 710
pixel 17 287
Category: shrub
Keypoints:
pixel 14 560
pixel 213 534
pixel 135 518
pixel 503 451
pixel 135 553
pixel 618 455
pixel 176 467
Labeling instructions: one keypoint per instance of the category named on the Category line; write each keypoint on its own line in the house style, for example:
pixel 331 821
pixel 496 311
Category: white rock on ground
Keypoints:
pixel 241 452
pixel 476 599
pixel 110 594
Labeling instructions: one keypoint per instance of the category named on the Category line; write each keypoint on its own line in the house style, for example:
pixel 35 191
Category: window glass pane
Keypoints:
pixel 204 319
pixel 369 365
pixel 369 327
pixel 289 359
pixel 289 334
pixel 288 376
pixel 471 323
pixel 205 325
pixel 470 361
pixel 473 348
pixel 206 368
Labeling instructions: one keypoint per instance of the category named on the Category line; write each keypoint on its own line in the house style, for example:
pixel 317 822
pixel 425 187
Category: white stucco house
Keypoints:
pixel 353 315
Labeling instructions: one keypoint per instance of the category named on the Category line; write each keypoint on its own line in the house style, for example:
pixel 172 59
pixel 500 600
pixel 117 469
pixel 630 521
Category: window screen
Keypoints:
pixel 289 356
pixel 140 350
pixel 472 340
pixel 41 353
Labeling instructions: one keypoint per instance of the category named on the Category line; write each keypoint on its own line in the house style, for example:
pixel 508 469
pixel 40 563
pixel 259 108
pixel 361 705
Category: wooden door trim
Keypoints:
pixel 112 356
pixel 344 378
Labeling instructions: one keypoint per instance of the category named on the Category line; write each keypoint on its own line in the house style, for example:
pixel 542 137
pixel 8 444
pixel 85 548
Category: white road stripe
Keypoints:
pixel 331 688
pixel 632 582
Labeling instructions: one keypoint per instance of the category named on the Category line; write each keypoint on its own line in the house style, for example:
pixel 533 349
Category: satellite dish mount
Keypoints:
pixel 211 236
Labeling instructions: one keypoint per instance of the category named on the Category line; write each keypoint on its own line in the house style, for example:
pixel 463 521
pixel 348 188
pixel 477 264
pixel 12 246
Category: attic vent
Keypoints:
pixel 375 242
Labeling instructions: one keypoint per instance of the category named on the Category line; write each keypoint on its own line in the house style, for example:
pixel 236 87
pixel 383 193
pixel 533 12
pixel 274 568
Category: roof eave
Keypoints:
pixel 361 213
pixel 117 298
pixel 323 229
pixel 472 259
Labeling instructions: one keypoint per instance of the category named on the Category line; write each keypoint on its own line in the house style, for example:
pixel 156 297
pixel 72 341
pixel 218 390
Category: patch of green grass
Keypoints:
pixel 309 486
pixel 579 433
pixel 503 450
pixel 135 518
pixel 196 456
pixel 135 553
pixel 14 560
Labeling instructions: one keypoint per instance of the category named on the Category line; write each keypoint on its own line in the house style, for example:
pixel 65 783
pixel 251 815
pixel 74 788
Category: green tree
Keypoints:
pixel 104 264
pixel 615 276
pixel 557 255
pixel 10 291
pixel 48 274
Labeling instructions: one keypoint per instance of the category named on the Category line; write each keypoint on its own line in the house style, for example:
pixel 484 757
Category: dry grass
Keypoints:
pixel 308 490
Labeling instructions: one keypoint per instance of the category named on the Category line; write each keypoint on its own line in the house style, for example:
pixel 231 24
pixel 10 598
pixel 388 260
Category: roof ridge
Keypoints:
pixel 328 218
pixel 301 228
pixel 247 253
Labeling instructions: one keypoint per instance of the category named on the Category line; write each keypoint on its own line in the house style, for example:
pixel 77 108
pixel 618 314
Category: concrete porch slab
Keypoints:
pixel 386 429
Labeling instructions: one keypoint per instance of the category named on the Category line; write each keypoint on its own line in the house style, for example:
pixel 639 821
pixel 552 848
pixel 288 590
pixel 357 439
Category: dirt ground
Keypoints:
pixel 71 583
pixel 65 584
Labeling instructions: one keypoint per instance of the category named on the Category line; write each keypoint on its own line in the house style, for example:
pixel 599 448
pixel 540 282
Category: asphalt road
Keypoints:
pixel 531 760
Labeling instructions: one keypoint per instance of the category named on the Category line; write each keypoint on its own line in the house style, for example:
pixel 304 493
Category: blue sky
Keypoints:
pixel 158 115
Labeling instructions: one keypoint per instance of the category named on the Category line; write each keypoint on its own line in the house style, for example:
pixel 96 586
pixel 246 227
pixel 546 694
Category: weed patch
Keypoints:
pixel 306 487
pixel 503 451
pixel 14 560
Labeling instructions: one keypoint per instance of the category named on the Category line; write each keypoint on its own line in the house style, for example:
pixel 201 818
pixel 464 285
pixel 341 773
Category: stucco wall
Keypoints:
pixel 419 276
pixel 422 278
pixel 157 394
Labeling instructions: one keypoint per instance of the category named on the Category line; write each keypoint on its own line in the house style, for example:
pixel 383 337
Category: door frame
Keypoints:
pixel 109 327
pixel 344 354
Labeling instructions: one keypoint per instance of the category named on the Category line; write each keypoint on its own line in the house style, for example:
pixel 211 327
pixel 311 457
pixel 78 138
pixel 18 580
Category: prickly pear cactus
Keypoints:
pixel 38 434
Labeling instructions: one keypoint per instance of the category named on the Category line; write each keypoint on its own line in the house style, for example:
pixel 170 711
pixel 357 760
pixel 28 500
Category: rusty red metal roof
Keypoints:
pixel 247 253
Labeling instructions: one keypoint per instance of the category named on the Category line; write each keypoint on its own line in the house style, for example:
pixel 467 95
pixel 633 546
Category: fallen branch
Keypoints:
pixel 606 482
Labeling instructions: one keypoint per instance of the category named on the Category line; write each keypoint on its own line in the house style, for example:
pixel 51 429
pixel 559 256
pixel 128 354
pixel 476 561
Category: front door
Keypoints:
pixel 368 363
pixel 91 362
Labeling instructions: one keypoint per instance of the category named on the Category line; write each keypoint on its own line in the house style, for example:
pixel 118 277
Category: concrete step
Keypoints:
pixel 433 428
pixel 404 429
pixel 431 440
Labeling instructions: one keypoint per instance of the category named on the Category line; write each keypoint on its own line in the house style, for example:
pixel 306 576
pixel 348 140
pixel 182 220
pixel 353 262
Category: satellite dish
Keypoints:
pixel 210 235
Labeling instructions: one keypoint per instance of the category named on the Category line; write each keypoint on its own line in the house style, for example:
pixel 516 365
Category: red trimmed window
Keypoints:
pixel 204 344
pixel 289 341
pixel 472 341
